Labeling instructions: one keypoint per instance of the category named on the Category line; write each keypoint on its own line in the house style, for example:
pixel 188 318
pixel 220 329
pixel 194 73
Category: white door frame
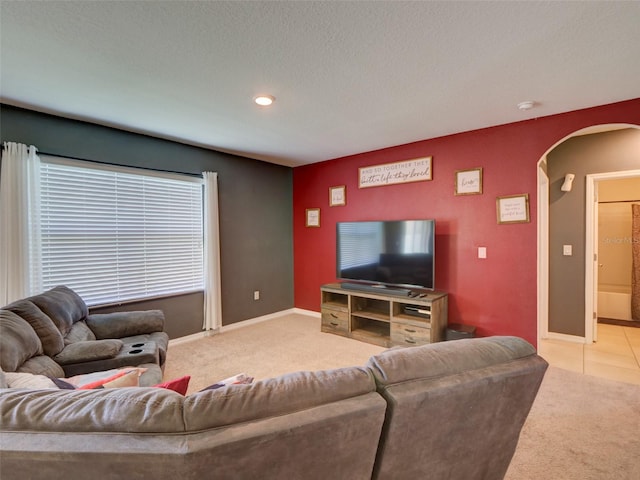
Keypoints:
pixel 543 250
pixel 543 246
pixel 591 248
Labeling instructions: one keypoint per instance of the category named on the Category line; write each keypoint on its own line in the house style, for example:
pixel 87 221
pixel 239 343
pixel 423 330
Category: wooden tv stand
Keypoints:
pixel 382 318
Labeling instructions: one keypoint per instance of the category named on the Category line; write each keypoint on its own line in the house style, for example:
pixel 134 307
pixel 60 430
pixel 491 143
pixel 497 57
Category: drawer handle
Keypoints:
pixel 409 330
pixel 334 324
pixel 334 315
pixel 410 341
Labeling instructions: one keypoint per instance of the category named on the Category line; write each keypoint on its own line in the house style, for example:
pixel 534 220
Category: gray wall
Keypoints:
pixel 256 236
pixel 583 155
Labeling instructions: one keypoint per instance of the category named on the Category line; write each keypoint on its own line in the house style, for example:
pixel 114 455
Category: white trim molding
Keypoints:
pixel 242 324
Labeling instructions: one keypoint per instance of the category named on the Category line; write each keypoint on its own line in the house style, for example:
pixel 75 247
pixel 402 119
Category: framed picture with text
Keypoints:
pixel 313 217
pixel 513 208
pixel 337 196
pixel 469 182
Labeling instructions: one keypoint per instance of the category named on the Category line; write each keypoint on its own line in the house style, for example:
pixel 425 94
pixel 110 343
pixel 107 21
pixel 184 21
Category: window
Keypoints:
pixel 114 234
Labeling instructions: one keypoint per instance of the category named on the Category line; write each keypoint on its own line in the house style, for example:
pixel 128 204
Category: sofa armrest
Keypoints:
pixel 125 324
pixel 88 351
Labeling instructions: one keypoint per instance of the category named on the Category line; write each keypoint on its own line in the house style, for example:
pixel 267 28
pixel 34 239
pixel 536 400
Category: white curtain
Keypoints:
pixel 19 226
pixel 212 296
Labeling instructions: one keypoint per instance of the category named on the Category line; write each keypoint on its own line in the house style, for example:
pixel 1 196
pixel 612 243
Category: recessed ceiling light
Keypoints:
pixel 526 105
pixel 264 100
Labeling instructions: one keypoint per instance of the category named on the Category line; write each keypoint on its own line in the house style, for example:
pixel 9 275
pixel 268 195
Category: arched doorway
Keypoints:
pixel 544 191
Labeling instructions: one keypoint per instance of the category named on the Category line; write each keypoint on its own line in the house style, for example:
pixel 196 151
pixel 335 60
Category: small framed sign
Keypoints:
pixel 513 208
pixel 469 182
pixel 337 196
pixel 313 217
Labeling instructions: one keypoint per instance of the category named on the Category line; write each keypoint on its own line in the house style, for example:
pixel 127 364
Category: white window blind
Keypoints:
pixel 114 234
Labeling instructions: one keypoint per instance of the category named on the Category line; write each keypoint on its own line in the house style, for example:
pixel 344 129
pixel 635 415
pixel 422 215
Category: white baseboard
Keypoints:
pixel 187 338
pixel 253 321
pixel 242 324
pixel 564 337
pixel 302 311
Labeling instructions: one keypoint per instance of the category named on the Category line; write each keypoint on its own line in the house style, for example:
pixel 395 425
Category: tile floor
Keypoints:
pixel 616 354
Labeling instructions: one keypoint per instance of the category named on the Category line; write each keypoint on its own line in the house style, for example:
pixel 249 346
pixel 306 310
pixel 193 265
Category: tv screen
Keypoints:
pixel 393 253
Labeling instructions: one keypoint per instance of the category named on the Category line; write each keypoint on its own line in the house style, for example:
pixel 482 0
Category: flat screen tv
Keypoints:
pixel 387 253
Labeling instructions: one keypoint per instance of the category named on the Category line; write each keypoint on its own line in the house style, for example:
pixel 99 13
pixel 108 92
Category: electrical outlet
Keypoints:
pixel 256 295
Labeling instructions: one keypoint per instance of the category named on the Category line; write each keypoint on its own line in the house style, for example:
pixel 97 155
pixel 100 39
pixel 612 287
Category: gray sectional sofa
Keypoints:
pixel 451 410
pixel 53 334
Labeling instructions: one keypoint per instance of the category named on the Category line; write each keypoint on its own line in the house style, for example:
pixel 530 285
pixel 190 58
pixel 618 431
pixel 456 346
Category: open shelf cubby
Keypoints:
pixel 383 319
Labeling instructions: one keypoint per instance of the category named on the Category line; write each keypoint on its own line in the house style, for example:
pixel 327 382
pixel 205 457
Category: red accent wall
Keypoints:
pixel 497 294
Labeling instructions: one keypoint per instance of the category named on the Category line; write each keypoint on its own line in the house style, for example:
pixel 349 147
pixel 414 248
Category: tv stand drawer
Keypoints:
pixel 407 334
pixel 335 321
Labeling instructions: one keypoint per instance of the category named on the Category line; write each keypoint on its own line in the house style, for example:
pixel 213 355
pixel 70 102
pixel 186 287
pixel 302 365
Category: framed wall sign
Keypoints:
pixel 313 217
pixel 415 170
pixel 469 182
pixel 513 208
pixel 337 196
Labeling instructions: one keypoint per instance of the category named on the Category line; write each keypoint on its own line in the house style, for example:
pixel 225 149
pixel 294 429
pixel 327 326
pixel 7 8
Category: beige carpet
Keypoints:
pixel 266 349
pixel 580 427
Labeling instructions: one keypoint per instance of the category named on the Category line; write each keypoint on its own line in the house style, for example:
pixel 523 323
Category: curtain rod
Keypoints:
pixel 620 201
pixel 199 175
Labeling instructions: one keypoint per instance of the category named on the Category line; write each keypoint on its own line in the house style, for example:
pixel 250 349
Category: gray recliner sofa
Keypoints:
pixel 53 334
pixel 449 410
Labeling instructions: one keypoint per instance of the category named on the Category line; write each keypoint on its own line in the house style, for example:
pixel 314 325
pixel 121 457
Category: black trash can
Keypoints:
pixel 458 331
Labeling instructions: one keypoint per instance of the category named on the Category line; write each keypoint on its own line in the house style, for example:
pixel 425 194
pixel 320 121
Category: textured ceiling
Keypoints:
pixel 348 77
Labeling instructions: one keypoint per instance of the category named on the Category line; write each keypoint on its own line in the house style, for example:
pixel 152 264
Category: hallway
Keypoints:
pixel 616 354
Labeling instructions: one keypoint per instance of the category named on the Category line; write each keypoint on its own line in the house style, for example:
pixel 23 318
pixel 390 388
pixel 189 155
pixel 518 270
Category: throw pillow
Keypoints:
pixel 179 385
pixel 102 381
pixel 129 379
pixel 61 384
pixel 79 380
pixel 239 379
pixel 28 380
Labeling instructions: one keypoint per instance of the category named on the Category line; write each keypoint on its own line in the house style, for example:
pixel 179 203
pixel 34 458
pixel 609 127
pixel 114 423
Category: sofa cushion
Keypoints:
pixel 132 410
pixel 42 365
pixel 274 396
pixel 129 355
pixel 19 341
pixel 88 351
pixel 445 358
pixel 79 333
pixel 63 306
pixel 125 324
pixel 50 337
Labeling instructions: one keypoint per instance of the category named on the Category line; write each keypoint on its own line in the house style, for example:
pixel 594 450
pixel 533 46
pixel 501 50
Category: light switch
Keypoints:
pixel 567 250
pixel 482 252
